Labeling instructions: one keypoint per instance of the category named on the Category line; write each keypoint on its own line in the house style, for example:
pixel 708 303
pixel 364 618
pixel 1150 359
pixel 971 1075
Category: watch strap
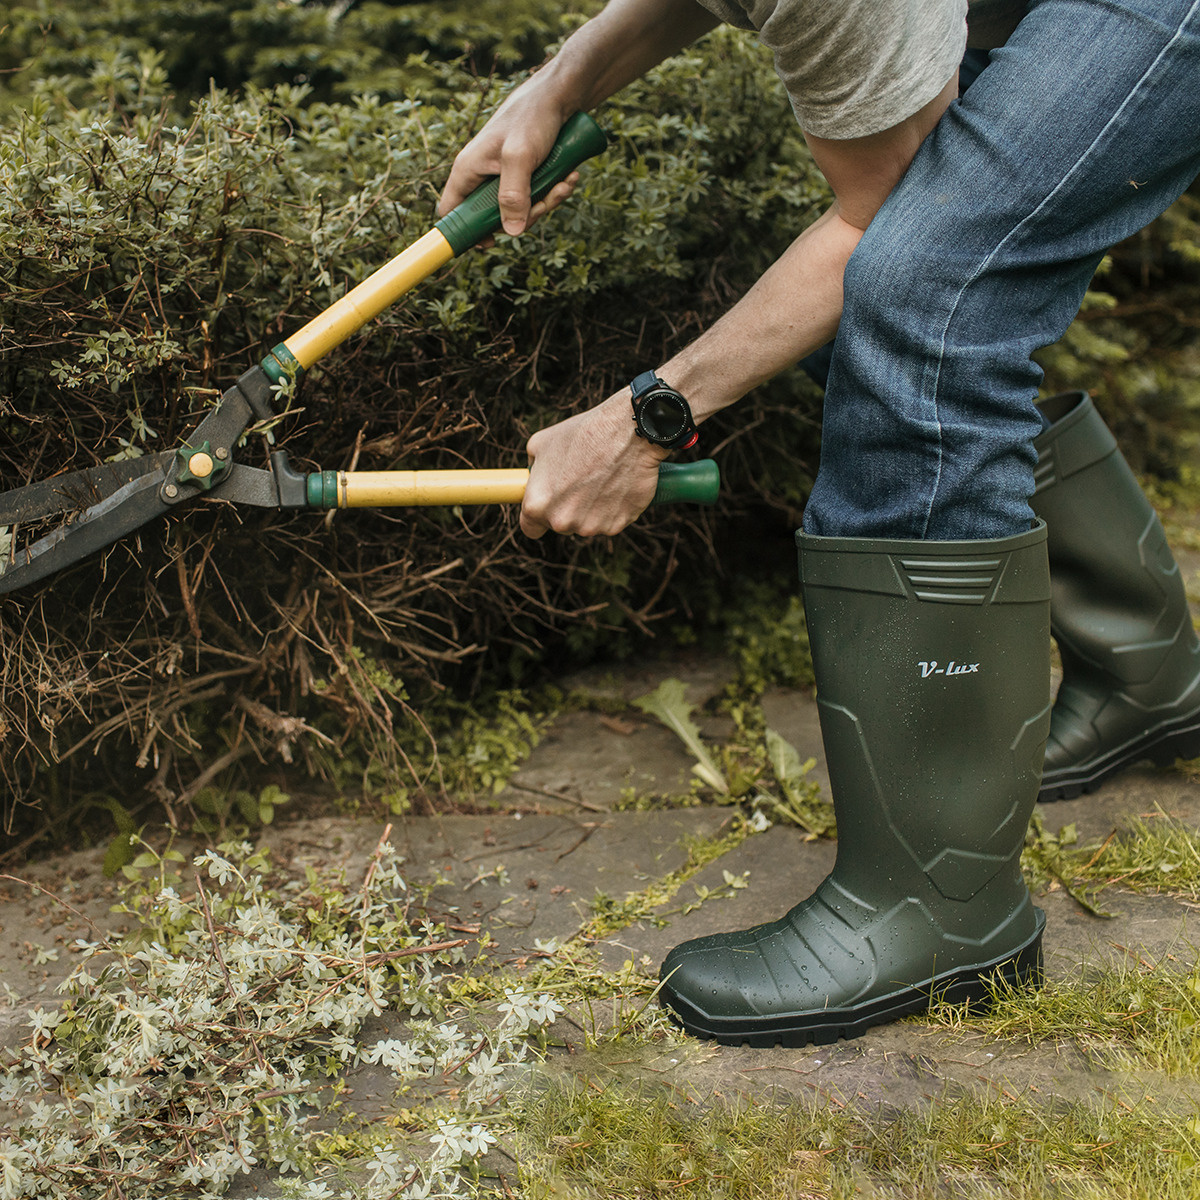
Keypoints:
pixel 642 383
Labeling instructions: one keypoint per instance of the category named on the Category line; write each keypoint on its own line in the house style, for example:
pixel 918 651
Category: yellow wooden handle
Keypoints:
pixel 369 299
pixel 678 483
pixel 392 489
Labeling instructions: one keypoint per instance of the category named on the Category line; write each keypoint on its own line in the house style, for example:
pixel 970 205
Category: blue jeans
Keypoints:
pixel 1081 130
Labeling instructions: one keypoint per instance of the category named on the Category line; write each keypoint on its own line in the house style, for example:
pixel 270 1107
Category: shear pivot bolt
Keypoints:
pixel 202 465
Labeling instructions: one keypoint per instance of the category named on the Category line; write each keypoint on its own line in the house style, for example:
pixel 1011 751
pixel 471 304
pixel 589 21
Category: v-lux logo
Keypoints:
pixel 952 668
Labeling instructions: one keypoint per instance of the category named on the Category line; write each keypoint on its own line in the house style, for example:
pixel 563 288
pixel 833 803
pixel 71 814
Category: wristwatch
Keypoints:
pixel 661 414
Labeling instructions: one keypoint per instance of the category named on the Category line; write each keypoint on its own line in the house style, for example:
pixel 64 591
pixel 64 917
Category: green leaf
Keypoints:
pixel 789 769
pixel 120 849
pixel 668 702
pixel 118 856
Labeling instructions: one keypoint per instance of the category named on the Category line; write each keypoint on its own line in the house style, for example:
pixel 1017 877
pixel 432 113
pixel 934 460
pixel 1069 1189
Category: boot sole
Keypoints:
pixel 978 984
pixel 1162 746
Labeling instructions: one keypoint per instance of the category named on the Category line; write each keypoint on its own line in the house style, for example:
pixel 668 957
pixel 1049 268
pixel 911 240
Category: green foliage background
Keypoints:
pixel 184 183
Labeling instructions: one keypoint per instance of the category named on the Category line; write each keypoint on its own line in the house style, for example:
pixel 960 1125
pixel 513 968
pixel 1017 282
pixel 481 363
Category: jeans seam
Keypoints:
pixel 1080 158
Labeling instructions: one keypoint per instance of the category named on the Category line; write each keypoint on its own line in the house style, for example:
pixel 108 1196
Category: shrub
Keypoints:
pixel 145 262
pixel 337 48
pixel 153 243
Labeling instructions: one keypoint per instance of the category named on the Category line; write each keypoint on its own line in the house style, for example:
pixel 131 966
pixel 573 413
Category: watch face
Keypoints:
pixel 662 416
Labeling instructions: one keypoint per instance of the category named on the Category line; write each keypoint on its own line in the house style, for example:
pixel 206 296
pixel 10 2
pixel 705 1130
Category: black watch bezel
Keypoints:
pixel 648 392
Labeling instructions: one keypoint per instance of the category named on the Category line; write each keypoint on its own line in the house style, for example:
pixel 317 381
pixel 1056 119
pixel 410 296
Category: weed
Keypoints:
pixel 632 799
pixel 609 915
pixel 668 702
pixel 480 747
pixel 757 767
pixel 1048 857
pixel 765 631
pixel 1158 854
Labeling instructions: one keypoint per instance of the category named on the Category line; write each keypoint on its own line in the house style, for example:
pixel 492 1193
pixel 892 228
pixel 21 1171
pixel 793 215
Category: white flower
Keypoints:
pixel 399 1056
pixel 193 1173
pixel 11 1175
pixel 343 1048
pixel 523 1012
pixel 759 823
pixel 386 1167
pixel 546 1009
pixel 43 1022
pixel 454 1142
pixel 420 1189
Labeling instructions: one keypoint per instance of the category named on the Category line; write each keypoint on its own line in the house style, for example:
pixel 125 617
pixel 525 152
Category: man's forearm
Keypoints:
pixel 590 475
pixel 796 305
pixel 619 45
pixel 792 310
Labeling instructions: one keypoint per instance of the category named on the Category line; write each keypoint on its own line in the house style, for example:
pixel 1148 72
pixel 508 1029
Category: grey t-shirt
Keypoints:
pixel 854 67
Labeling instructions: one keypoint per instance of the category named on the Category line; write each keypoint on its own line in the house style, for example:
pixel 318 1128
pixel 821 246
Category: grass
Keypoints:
pixel 1155 854
pixel 599 1135
pixel 591 1132
pixel 1134 1015
pixel 587 1132
pixel 647 1142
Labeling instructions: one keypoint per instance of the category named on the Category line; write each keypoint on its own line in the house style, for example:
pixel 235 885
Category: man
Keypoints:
pixel 962 238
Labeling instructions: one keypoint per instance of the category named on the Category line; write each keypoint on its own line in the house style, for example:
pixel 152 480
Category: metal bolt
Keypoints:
pixel 222 453
pixel 170 491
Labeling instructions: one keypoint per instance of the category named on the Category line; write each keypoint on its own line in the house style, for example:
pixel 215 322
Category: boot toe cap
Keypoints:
pixel 728 979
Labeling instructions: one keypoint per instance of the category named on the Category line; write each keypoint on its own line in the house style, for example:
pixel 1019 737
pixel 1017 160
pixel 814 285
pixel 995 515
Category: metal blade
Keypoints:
pixel 77 490
pixel 125 510
pixel 248 485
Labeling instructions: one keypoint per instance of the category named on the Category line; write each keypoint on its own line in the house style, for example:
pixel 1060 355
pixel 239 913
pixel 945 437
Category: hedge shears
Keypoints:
pixel 102 504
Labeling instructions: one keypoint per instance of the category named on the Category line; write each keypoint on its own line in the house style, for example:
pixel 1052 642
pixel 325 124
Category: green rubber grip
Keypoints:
pixel 479 214
pixel 688 483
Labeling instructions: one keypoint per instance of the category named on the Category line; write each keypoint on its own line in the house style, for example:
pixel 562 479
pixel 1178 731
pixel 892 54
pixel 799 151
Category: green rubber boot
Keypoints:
pixel 933 684
pixel 1119 612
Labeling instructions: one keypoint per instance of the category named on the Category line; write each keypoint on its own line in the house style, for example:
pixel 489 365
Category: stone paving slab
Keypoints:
pixel 588 758
pixel 44 909
pixel 532 879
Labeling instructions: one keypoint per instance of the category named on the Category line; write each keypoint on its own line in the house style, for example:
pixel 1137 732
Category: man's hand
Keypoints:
pixel 513 144
pixel 614 48
pixel 590 475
